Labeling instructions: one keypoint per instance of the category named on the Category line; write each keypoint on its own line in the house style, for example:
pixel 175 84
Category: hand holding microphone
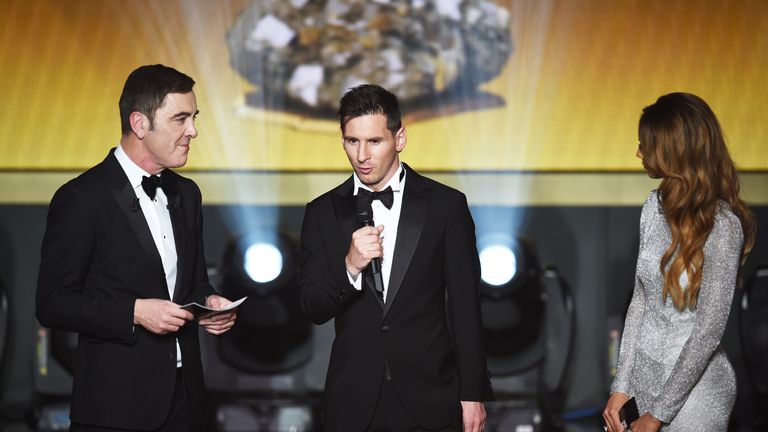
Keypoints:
pixel 366 246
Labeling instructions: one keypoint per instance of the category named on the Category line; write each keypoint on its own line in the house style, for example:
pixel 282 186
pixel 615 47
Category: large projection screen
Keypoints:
pixel 531 86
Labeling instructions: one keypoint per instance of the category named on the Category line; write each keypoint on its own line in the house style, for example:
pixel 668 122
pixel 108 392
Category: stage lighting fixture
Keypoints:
pixel 260 263
pixel 263 262
pixel 271 334
pixel 528 323
pixel 5 322
pixel 498 264
pixel 753 326
pixel 511 299
pixel 275 415
pixel 507 264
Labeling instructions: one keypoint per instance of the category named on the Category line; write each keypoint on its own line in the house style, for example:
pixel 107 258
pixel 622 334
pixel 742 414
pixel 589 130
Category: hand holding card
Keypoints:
pixel 202 311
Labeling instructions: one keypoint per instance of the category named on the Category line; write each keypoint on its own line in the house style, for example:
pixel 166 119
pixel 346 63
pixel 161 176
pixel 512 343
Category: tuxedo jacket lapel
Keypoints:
pixel 126 197
pixel 344 206
pixel 412 218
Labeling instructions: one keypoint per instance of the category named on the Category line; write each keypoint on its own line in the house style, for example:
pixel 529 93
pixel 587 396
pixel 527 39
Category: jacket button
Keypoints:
pixel 385 328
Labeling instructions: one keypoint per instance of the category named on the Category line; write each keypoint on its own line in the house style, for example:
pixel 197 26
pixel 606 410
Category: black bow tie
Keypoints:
pixel 387 197
pixel 151 183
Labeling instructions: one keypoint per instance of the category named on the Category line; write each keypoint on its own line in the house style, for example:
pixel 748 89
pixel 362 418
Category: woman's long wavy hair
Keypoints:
pixel 681 142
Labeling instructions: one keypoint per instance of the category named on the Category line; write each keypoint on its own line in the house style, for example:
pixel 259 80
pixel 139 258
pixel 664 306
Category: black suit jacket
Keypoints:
pixel 435 261
pixel 98 257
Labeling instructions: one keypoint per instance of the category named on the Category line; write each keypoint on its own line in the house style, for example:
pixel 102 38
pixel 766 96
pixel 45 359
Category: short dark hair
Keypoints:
pixel 145 90
pixel 367 99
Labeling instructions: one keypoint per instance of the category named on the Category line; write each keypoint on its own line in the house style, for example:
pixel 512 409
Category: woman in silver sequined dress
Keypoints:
pixel 695 233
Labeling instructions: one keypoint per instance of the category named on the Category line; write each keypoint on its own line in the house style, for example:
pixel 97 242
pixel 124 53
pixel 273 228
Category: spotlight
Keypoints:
pixel 263 262
pixel 259 263
pixel 498 264
pixel 271 334
pixel 507 264
pixel 262 375
pixel 528 326
pixel 511 299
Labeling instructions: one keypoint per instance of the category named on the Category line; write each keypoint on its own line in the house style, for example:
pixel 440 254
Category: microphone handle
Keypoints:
pixel 378 281
pixel 376 266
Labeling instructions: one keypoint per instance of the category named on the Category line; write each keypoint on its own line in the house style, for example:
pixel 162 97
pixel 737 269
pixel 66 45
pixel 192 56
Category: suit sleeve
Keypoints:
pixel 462 272
pixel 324 284
pixel 68 248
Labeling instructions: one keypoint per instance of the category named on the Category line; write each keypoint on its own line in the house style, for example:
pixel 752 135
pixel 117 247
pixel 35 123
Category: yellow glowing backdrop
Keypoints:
pixel 574 85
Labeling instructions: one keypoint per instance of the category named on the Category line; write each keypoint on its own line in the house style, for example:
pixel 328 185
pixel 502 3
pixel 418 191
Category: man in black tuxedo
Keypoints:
pixel 401 359
pixel 122 250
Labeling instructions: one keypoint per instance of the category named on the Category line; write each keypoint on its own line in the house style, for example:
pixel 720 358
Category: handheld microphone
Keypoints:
pixel 135 205
pixel 365 217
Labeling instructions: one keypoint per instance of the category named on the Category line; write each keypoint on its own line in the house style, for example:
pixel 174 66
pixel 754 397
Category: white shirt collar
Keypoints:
pixel 133 171
pixel 395 182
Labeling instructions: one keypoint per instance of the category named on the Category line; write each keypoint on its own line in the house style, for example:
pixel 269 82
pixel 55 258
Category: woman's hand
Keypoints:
pixel 646 423
pixel 611 412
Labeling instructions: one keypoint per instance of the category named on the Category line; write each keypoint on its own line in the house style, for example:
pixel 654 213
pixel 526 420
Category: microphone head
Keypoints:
pixel 364 210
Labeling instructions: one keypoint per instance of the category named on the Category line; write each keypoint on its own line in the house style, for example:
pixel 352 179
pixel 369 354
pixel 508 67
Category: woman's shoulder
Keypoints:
pixel 726 221
pixel 652 200
pixel 651 207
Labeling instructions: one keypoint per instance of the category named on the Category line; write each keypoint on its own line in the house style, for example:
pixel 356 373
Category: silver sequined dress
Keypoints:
pixel 671 361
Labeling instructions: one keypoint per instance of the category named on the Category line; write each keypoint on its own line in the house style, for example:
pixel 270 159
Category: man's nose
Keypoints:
pixel 191 129
pixel 362 153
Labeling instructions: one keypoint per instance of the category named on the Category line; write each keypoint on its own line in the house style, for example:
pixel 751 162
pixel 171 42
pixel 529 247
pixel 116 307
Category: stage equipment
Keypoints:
pixel 529 322
pixel 512 302
pixel 262 375
pixel 753 327
pixel 5 322
pixel 271 335
pixel 54 365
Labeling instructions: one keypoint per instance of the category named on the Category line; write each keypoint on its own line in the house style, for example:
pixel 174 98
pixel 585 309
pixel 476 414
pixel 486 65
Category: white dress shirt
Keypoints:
pixel 390 218
pixel 159 221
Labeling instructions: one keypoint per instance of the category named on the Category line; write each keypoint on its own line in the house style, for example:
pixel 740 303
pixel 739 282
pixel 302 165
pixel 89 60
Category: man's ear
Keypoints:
pixel 139 124
pixel 401 137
